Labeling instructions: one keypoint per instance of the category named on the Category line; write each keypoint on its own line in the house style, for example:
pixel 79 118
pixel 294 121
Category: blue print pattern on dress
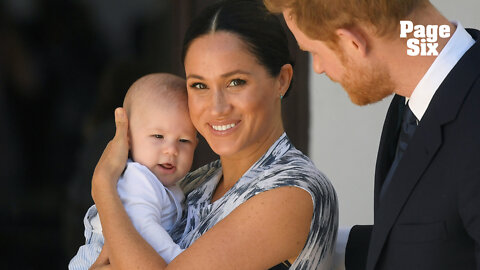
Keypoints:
pixel 282 165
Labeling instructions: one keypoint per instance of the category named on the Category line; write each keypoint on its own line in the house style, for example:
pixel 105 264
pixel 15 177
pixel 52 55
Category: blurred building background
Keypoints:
pixel 64 66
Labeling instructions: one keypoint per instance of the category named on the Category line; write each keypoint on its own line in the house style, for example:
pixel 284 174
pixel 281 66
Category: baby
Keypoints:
pixel 162 142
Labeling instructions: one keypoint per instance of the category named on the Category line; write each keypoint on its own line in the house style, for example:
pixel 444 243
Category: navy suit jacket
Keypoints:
pixel 429 217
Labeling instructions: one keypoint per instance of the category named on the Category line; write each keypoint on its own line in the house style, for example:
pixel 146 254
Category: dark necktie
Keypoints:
pixel 409 124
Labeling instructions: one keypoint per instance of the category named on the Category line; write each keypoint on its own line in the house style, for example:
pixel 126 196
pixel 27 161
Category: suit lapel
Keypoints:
pixel 416 159
pixel 426 141
pixel 388 142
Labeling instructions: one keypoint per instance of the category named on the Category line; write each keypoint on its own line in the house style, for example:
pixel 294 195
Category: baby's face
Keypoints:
pixel 163 138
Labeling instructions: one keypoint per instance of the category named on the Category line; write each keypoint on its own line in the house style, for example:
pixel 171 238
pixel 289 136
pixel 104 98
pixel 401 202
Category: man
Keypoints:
pixel 427 178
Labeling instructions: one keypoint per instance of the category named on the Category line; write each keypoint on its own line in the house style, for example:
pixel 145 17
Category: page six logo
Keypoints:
pixel 424 40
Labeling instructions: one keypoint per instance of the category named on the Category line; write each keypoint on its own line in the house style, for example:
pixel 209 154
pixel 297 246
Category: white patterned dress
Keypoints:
pixel 282 165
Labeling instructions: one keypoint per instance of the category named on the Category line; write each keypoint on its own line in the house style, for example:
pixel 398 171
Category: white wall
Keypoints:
pixel 344 137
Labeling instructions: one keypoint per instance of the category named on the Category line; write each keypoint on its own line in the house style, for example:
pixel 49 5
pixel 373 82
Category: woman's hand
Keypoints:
pixel 114 157
pixel 126 247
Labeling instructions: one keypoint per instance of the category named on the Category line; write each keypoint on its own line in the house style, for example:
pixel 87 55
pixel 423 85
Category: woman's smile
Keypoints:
pixel 224 128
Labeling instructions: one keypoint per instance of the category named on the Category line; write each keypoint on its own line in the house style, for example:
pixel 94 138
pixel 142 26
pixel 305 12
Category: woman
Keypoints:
pixel 263 204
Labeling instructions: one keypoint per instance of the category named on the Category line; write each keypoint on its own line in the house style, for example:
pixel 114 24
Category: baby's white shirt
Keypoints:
pixel 152 207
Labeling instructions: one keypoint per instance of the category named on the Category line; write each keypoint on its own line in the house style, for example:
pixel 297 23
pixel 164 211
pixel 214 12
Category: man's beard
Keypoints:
pixel 366 84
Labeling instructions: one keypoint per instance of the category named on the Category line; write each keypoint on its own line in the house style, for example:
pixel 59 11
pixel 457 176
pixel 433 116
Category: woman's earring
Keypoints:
pixel 281 97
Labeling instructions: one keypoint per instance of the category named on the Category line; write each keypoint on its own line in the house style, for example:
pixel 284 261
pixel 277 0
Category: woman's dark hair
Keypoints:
pixel 251 21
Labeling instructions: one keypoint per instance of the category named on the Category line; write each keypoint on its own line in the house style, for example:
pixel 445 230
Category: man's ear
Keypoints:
pixel 353 41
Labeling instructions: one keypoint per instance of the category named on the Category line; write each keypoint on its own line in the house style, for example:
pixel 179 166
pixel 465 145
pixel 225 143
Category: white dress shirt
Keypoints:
pixel 423 93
